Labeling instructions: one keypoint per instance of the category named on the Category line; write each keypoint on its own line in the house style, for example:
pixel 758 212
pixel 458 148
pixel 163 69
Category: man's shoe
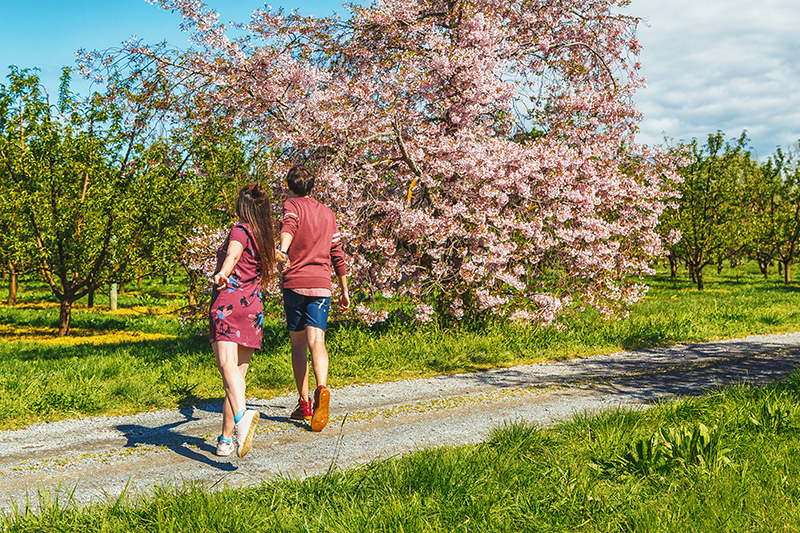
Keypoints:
pixel 224 448
pixel 303 410
pixel 244 431
pixel 322 402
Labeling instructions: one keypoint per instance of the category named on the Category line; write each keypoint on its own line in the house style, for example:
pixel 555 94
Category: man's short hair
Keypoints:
pixel 300 180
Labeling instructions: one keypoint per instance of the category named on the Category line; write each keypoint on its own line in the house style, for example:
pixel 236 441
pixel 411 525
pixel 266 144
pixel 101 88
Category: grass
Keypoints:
pixel 717 463
pixel 138 358
pixel 722 462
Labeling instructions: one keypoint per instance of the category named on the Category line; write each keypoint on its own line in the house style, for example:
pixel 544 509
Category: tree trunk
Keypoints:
pixel 90 299
pixel 787 272
pixel 699 276
pixel 64 316
pixel 192 287
pixel 673 267
pixel 13 284
pixel 719 265
pixel 692 273
pixel 763 266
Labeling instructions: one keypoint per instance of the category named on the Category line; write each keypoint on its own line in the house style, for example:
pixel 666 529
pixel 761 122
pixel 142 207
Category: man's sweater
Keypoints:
pixel 316 244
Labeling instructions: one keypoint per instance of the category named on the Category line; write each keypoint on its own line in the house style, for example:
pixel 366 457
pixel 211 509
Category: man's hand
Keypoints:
pixel 344 302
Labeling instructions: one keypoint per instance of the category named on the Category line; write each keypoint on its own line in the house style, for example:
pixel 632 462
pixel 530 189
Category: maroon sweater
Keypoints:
pixel 316 244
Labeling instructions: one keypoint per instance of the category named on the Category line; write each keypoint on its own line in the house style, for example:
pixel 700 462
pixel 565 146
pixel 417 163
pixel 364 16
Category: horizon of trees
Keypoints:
pixel 730 206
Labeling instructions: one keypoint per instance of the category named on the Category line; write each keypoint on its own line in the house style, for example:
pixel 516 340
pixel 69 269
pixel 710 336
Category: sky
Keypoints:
pixel 729 65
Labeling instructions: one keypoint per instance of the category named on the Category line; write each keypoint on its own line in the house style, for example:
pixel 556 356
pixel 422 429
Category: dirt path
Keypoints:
pixel 96 459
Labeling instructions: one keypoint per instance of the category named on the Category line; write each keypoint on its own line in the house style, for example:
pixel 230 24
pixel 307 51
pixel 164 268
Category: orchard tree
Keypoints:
pixel 710 209
pixel 22 121
pixel 763 207
pixel 786 213
pixel 478 154
pixel 99 188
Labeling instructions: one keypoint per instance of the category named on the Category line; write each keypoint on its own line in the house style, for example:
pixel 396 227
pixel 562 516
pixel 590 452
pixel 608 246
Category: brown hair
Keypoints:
pixel 253 207
pixel 300 180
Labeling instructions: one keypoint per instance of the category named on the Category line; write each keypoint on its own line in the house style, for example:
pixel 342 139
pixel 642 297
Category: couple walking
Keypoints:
pixel 310 242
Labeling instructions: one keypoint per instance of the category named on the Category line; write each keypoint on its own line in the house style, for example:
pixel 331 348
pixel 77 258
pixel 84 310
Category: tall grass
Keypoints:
pixel 584 475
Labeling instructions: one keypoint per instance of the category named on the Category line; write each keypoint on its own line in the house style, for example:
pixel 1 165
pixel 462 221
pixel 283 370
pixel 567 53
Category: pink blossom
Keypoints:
pixel 488 151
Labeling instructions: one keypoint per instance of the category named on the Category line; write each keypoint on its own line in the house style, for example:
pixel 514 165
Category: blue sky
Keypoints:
pixel 711 64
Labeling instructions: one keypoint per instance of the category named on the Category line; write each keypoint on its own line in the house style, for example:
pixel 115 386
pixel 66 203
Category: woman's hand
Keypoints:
pixel 220 281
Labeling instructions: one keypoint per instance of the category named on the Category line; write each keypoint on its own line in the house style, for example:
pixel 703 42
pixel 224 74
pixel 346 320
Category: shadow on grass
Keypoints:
pixel 148 350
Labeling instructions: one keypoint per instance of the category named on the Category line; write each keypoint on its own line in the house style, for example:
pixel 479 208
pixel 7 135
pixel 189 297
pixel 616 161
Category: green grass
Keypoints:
pixel 729 466
pixel 42 382
pixel 582 475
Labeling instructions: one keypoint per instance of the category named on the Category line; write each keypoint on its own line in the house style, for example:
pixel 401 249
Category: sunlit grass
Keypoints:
pixel 44 336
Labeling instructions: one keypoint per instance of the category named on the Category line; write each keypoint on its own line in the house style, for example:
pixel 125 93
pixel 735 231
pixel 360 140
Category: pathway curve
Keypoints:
pixel 96 459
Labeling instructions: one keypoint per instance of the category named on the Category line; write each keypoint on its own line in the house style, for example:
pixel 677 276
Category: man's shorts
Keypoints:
pixel 302 311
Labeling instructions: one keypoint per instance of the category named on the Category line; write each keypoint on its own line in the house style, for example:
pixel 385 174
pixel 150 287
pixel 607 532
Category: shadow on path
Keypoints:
pixel 181 444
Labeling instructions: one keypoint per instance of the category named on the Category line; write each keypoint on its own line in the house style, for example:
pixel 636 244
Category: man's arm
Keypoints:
pixel 286 241
pixel 344 298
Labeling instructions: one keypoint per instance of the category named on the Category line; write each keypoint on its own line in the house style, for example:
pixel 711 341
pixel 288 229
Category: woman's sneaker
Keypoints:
pixel 322 401
pixel 224 448
pixel 244 431
pixel 303 410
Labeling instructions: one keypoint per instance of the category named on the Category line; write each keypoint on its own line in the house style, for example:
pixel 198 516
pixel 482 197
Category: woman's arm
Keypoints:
pixel 220 279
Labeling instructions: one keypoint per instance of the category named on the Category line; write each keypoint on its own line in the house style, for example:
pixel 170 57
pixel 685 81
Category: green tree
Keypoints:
pixel 709 211
pixel 762 205
pixel 102 190
pixel 786 234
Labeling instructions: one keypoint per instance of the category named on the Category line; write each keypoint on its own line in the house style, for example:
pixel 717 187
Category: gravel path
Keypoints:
pixel 96 459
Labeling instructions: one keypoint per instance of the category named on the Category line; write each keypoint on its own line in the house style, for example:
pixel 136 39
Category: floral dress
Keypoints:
pixel 237 313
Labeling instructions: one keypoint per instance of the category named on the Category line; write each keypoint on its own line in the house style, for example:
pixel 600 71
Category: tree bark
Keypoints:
pixel 13 284
pixel 192 287
pixel 763 266
pixel 90 299
pixel 64 317
pixel 787 272
pixel 699 276
pixel 673 267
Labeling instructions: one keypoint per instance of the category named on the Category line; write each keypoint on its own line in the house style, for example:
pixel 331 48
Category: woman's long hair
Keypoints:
pixel 253 207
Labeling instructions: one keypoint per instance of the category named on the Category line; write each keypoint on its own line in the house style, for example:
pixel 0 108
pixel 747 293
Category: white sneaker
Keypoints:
pixel 224 449
pixel 244 431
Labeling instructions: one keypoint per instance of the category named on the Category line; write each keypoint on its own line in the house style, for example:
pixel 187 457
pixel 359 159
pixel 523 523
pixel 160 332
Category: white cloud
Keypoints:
pixel 720 65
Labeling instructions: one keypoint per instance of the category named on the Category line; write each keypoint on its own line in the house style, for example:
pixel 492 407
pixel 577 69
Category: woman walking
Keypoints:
pixel 245 261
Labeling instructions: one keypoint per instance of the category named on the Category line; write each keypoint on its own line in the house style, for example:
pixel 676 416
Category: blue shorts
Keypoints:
pixel 302 311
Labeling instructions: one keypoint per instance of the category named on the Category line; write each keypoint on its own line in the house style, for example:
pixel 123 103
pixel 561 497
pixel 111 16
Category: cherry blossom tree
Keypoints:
pixel 479 154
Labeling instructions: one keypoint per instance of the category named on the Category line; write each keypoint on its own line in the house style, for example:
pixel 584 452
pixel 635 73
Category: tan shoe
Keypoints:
pixel 322 402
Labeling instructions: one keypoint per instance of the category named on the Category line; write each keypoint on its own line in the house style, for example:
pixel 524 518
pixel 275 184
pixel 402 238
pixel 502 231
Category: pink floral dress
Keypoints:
pixel 237 313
